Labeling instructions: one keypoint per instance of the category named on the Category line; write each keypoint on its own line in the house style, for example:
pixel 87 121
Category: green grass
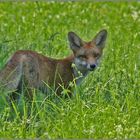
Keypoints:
pixel 107 104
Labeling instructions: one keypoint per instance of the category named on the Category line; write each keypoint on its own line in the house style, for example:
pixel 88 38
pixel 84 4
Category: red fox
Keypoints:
pixel 41 72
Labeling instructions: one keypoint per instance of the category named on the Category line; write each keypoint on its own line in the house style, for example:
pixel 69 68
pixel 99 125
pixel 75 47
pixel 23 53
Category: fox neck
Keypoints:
pixel 79 74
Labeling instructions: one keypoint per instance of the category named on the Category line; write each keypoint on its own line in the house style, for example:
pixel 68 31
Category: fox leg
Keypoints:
pixel 10 78
pixel 31 78
pixel 20 73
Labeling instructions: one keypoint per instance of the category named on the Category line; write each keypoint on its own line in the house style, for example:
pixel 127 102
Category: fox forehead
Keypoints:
pixel 88 45
pixel 88 49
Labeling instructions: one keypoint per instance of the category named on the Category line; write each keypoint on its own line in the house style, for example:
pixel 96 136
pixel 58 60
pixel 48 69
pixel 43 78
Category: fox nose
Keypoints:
pixel 93 66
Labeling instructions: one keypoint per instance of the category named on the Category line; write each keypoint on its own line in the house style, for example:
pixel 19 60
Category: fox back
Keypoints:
pixel 37 71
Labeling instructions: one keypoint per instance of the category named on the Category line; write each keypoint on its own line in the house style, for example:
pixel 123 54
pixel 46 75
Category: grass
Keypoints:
pixel 107 104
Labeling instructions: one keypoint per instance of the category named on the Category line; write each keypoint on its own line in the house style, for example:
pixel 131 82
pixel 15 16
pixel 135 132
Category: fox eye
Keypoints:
pixel 82 56
pixel 96 54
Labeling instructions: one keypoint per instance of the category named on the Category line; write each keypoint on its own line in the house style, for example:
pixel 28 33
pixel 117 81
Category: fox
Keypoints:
pixel 41 72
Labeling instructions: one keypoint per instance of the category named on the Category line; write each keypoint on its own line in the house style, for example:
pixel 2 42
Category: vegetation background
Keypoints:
pixel 107 104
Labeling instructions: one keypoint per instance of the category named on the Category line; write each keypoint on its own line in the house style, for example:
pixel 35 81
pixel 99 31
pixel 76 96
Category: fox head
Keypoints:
pixel 87 54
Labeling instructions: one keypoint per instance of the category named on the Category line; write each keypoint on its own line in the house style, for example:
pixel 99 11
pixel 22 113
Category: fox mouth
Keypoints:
pixel 92 69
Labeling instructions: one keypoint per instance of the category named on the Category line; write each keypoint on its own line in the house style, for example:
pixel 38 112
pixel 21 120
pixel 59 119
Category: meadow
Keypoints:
pixel 107 103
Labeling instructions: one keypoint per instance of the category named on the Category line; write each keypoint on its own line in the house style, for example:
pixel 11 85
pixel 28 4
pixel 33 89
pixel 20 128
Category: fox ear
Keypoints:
pixel 75 41
pixel 100 39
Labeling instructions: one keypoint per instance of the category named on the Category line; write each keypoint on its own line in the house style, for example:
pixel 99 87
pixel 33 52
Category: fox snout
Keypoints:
pixel 92 63
pixel 84 65
pixel 92 67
